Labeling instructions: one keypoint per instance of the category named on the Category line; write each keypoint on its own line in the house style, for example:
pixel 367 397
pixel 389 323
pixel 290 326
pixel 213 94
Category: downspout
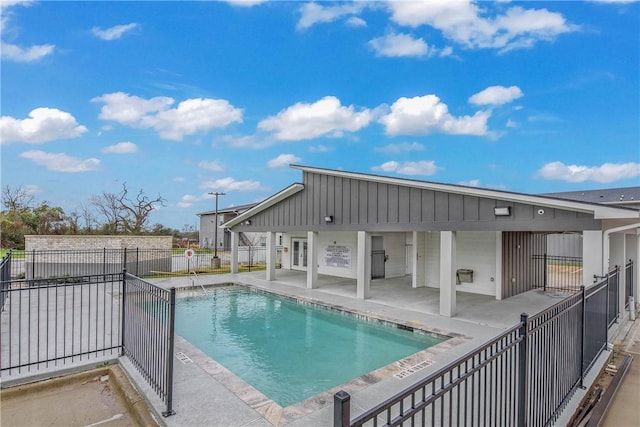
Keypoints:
pixel 605 243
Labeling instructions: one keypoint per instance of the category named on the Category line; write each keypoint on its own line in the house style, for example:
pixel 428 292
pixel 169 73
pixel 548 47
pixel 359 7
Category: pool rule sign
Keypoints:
pixel 337 256
pixel 189 253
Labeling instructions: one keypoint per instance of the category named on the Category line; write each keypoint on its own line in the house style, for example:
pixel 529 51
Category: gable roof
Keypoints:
pixel 599 211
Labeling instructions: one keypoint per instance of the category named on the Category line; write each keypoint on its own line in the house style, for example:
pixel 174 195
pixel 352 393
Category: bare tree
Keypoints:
pixel 16 200
pixel 124 213
pixel 109 207
pixel 135 212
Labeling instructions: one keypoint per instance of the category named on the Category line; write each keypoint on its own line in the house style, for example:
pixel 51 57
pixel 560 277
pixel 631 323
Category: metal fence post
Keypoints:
pixel 583 321
pixel 122 312
pixel 545 273
pixel 137 261
pixel 170 347
pixel 523 359
pixel 341 409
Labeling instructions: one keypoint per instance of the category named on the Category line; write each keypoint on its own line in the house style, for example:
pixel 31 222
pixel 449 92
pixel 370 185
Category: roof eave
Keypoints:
pixel 265 204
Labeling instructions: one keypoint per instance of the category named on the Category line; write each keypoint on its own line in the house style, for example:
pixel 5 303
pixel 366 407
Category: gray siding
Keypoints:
pixel 519 272
pixel 358 204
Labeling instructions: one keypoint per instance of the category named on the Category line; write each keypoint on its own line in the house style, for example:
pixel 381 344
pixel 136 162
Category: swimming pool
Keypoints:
pixel 287 350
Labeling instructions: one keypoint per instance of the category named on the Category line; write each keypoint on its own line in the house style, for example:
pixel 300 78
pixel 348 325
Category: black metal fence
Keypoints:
pixel 57 323
pixel 148 334
pixel 523 377
pixel 628 288
pixel 5 277
pixel 563 273
pixel 40 266
pixel 50 326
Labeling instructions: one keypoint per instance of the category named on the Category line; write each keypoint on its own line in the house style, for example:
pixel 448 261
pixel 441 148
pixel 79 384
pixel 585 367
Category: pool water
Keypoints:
pixel 286 350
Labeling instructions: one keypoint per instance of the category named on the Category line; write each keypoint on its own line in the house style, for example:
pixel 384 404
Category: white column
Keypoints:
pixel 234 252
pixel 498 276
pixel 363 285
pixel 448 273
pixel 592 255
pixel 418 273
pixel 312 259
pixel 271 256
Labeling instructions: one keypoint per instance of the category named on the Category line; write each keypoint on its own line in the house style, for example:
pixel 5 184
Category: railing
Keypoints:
pixel 47 264
pixel 148 334
pixel 523 377
pixel 5 277
pixel 57 324
pixel 628 288
pixel 613 278
pixel 558 272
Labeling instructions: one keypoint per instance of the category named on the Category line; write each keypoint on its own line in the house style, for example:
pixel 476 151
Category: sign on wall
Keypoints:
pixel 337 256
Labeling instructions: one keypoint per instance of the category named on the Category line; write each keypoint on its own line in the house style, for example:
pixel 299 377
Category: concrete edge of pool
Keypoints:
pixel 277 415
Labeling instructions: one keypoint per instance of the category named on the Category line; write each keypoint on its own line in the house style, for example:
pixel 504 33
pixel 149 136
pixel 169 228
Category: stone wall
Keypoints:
pixel 71 256
pixel 76 243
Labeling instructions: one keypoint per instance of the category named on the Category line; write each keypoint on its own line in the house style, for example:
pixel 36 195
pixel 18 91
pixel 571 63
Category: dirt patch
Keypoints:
pixel 101 397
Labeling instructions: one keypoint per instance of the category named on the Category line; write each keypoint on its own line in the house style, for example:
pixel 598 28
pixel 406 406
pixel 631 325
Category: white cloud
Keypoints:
pixel 212 166
pixel 496 95
pixel 422 167
pixel 463 22
pixel 511 124
pixel 326 117
pixel 607 172
pixel 189 117
pixel 403 147
pixel 179 179
pixel 33 53
pixel 44 124
pixel 421 115
pixel 320 148
pixel 121 148
pixel 283 160
pixel 313 13
pixel 188 200
pixel 230 184
pixel 61 162
pixel 245 3
pixel 400 45
pixel 113 33
pixel 13 52
pixel 356 21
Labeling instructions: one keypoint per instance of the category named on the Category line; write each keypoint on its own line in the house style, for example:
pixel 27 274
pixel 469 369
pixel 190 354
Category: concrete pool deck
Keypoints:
pixel 206 394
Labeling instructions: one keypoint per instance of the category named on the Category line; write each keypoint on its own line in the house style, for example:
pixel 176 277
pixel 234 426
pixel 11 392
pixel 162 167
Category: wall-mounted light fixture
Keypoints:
pixel 328 218
pixel 504 211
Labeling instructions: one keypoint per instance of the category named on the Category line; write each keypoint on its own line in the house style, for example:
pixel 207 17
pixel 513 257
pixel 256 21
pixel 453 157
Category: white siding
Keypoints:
pixel 477 252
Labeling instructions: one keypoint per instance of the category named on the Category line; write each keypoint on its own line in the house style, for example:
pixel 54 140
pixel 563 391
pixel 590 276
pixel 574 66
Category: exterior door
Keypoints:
pixel 378 257
pixel 299 256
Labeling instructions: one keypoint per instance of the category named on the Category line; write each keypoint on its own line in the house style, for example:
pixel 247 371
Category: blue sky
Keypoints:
pixel 185 98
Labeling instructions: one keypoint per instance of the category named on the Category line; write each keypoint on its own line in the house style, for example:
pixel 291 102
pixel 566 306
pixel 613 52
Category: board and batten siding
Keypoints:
pixel 359 204
pixel 519 272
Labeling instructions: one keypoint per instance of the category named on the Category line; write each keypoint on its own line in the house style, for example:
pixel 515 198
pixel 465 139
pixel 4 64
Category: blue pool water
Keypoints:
pixel 286 350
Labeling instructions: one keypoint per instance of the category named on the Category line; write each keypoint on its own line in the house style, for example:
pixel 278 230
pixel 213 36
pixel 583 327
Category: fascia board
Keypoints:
pixel 265 204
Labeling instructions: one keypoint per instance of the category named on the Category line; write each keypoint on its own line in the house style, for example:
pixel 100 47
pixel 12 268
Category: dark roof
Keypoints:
pixel 625 196
pixel 230 209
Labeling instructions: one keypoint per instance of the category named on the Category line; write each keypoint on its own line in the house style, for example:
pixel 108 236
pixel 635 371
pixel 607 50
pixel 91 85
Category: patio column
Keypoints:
pixel 363 285
pixel 448 273
pixel 312 259
pixel 498 278
pixel 234 252
pixel 418 276
pixel 591 255
pixel 271 255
